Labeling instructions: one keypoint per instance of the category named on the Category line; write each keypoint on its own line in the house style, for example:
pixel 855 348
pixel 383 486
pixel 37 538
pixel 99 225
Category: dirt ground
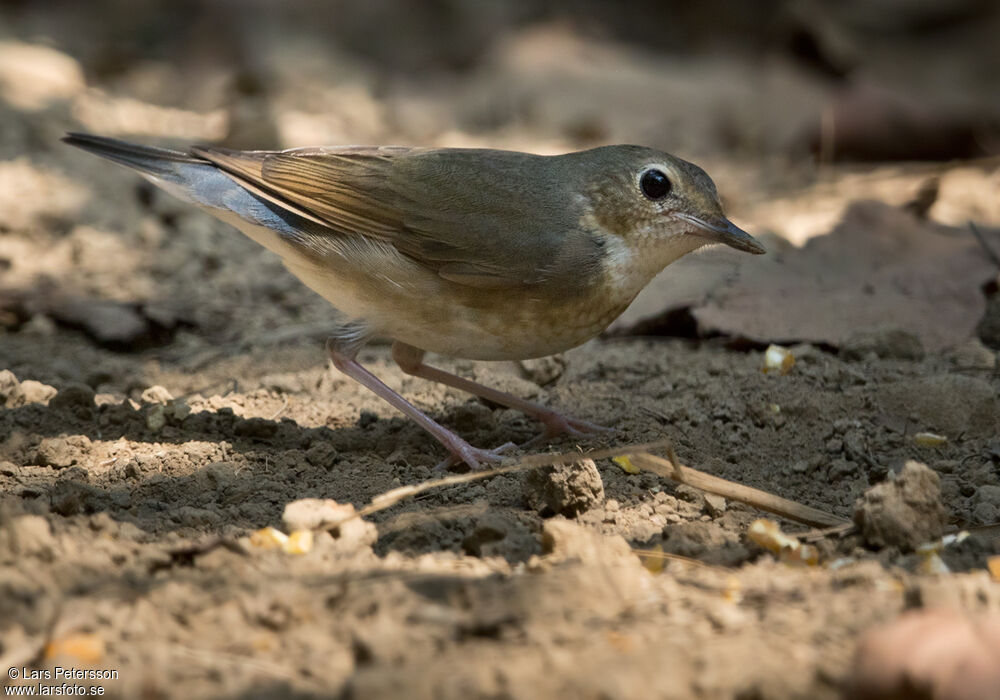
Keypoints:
pixel 164 395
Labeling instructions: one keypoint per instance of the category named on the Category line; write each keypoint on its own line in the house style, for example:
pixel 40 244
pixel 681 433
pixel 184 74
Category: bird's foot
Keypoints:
pixel 475 457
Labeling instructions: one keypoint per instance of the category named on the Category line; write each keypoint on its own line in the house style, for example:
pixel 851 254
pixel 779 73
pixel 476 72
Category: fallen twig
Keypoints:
pixel 733 491
pixel 391 498
pixel 639 455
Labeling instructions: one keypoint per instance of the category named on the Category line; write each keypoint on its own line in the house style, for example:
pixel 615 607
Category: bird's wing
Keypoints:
pixel 471 216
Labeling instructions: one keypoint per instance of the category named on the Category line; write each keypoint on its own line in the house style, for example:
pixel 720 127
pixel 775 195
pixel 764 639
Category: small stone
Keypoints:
pixel 986 504
pixel 566 489
pixel 61 452
pixel 322 454
pixel 156 419
pixel 36 392
pixel 178 410
pixel 321 513
pixel 715 505
pixel 156 394
pixel 905 511
pixel 11 394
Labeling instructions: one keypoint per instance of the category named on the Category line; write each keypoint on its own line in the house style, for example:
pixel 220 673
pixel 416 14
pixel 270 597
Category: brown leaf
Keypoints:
pixel 880 267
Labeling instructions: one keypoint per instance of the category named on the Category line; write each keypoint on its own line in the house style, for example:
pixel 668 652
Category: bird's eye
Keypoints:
pixel 654 184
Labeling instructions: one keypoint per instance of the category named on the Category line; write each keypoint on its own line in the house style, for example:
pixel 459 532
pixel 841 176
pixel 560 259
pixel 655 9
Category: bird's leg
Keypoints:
pixel 343 358
pixel 411 361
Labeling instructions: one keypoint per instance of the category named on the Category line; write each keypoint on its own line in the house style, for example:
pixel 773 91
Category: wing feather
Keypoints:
pixel 470 216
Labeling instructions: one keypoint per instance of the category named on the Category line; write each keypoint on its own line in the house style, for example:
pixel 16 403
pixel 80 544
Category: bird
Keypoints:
pixel 468 253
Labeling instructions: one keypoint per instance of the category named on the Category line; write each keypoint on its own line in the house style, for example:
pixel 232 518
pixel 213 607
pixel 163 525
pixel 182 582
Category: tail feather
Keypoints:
pixel 276 224
pixel 146 159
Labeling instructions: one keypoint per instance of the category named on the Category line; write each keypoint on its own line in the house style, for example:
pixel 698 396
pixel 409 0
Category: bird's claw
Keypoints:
pixel 475 457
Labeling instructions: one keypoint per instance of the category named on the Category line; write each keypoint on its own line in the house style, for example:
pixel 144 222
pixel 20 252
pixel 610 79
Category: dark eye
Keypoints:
pixel 654 184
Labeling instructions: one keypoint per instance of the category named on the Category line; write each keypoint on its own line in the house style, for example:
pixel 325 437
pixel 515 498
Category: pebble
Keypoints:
pixel 905 511
pixel 10 390
pixel 320 513
pixel 986 504
pixel 156 394
pixel 566 489
pixel 36 392
pixel 61 452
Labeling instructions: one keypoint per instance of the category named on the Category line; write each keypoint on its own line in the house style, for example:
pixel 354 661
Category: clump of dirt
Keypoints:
pixel 905 511
pixel 567 489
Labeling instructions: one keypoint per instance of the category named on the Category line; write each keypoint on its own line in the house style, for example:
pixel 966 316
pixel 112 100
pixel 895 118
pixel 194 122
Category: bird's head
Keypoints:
pixel 642 194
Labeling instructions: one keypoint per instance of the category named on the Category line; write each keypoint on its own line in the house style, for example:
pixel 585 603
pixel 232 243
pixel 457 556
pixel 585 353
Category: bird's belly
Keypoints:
pixel 509 325
pixel 442 319
pixel 507 335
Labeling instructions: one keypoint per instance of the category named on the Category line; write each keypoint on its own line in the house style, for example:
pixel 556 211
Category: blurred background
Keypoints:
pixel 835 80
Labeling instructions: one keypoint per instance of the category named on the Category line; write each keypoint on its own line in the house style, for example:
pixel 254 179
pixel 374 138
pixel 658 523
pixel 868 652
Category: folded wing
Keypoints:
pixel 490 219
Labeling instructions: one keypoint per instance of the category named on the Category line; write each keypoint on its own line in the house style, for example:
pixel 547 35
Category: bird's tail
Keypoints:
pixel 200 182
pixel 158 162
pixel 183 175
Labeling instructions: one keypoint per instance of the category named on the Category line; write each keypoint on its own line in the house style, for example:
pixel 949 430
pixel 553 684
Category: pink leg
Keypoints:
pixel 411 361
pixel 460 450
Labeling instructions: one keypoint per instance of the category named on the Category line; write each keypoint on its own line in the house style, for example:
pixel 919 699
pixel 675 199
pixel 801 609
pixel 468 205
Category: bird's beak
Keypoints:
pixel 724 231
